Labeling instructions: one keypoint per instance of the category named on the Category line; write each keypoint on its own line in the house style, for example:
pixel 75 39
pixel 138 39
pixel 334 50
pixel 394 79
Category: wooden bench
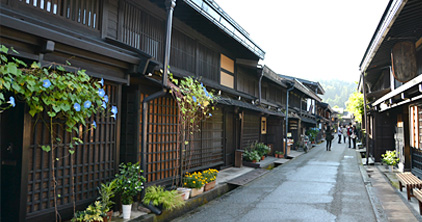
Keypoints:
pixel 410 181
pixel 418 196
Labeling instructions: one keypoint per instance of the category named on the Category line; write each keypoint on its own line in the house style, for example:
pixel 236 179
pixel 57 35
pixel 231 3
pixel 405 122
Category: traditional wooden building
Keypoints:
pixel 392 84
pixel 123 42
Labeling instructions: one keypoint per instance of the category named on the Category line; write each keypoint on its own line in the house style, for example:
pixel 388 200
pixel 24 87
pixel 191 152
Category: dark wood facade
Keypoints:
pixel 122 42
pixel 392 82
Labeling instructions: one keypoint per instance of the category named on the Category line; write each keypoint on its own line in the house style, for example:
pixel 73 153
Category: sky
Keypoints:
pixel 310 39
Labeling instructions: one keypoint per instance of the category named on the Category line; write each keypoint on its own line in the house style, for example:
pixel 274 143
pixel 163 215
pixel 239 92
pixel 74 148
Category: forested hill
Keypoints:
pixel 337 92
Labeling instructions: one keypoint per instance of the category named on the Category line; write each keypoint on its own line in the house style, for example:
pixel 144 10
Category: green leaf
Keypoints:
pixel 46 148
pixel 35 65
pixel 71 152
pixel 60 68
pixel 4 49
pixel 51 114
pixel 58 139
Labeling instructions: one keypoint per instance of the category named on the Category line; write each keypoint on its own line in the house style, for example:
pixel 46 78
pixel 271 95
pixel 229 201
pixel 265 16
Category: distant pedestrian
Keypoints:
pixel 349 134
pixel 344 130
pixel 354 136
pixel 339 132
pixel 328 137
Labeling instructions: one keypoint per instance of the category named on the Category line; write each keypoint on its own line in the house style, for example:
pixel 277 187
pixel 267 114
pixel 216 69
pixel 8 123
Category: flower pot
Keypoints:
pixel 262 157
pixel 185 191
pixel 108 217
pixel 126 211
pixel 390 168
pixel 209 186
pixel 253 161
pixel 154 209
pixel 196 191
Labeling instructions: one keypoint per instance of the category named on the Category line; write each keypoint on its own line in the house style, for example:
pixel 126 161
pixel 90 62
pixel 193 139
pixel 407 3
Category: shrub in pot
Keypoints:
pixel 157 196
pixel 129 183
pixel 251 156
pixel 93 213
pixel 106 192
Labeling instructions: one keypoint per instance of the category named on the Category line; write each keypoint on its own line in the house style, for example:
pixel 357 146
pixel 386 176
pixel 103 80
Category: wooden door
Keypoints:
pixel 11 139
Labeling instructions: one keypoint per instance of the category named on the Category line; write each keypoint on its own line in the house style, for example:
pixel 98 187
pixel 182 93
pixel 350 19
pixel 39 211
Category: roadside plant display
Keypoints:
pixel 312 133
pixel 63 99
pixel 93 213
pixel 261 148
pixel 194 103
pixel 209 175
pixel 106 192
pixel 165 199
pixel 390 158
pixel 129 182
pixel 251 155
pixel 194 180
pixel 279 154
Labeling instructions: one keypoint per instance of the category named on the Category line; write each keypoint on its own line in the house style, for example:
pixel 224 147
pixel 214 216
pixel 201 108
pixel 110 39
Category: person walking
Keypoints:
pixel 328 137
pixel 344 130
pixel 354 136
pixel 339 132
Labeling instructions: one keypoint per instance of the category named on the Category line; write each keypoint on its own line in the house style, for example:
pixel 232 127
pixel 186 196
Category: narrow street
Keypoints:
pixel 317 186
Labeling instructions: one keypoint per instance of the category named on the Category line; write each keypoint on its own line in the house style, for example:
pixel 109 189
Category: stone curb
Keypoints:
pixel 379 212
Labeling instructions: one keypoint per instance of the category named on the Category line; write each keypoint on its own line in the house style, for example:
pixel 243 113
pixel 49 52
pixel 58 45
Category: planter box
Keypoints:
pixel 196 191
pixel 209 186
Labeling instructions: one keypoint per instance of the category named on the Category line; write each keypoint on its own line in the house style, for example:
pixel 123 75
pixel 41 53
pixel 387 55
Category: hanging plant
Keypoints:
pixel 68 98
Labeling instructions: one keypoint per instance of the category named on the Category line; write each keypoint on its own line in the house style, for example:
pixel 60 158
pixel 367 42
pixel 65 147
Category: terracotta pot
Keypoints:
pixel 276 155
pixel 209 186
pixel 108 217
pixel 196 191
pixel 253 161
pixel 262 157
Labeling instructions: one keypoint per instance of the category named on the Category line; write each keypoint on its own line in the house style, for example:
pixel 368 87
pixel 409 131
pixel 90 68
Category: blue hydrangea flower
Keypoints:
pixel 101 92
pixel 114 109
pixel 94 124
pixel 77 107
pixel 46 83
pixel 87 104
pixel 104 105
pixel 106 98
pixel 102 82
pixel 12 101
pixel 194 98
pixel 209 114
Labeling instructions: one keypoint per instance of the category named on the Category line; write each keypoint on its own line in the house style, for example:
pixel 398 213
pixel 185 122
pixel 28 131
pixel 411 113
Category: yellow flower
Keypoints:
pixel 194 181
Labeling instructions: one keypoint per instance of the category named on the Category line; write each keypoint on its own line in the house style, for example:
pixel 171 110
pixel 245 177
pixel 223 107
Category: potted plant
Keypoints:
pixel 279 154
pixel 390 158
pixel 129 183
pixel 210 176
pixel 93 213
pixel 185 191
pixel 106 192
pixel 262 149
pixel 194 181
pixel 163 199
pixel 251 156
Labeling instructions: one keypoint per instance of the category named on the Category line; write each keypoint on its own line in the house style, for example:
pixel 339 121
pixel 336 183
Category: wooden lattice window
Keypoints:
pixel 161 151
pixel 94 162
pixel 83 12
pixel 141 30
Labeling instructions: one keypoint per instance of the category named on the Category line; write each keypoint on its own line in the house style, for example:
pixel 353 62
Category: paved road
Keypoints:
pixel 317 186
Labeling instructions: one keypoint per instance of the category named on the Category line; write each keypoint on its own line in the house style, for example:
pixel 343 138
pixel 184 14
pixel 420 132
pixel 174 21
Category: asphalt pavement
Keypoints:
pixel 317 186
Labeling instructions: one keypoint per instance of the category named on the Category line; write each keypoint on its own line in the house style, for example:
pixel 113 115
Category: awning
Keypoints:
pixel 238 103
pixel 307 120
pixel 408 92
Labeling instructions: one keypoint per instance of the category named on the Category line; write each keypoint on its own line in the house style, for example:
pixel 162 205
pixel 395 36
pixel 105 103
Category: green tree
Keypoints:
pixel 355 105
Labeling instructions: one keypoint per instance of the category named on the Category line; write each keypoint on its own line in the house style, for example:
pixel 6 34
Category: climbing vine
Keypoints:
pixel 195 104
pixel 68 98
